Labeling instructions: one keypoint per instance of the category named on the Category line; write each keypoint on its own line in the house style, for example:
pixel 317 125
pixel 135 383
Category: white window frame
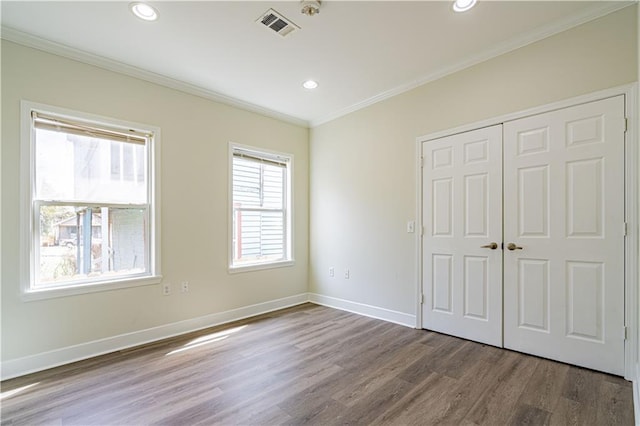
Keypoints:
pixel 288 225
pixel 29 225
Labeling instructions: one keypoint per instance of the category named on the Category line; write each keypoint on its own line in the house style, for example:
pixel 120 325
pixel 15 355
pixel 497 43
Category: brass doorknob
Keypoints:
pixel 491 246
pixel 512 247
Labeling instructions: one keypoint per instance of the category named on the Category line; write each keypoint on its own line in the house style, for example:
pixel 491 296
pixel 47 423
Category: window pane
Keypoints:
pixel 77 243
pixel 246 183
pixel 80 168
pixel 257 184
pixel 258 236
pixel 273 187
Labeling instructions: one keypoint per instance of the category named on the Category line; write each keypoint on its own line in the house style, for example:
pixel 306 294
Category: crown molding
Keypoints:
pixel 497 50
pixel 39 43
pixel 29 40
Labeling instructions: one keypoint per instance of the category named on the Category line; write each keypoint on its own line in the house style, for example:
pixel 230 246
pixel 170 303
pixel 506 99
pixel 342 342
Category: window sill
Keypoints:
pixel 85 288
pixel 261 266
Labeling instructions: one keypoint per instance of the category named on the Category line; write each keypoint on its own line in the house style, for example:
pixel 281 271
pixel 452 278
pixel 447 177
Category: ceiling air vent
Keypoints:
pixel 277 23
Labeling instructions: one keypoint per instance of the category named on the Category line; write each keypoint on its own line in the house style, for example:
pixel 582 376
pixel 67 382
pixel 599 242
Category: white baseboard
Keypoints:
pixel 362 309
pixel 42 361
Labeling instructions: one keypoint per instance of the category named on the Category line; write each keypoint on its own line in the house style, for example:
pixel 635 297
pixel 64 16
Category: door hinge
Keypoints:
pixel 421 231
pixel 422 299
pixel 626 124
pixel 625 332
pixel 421 162
pixel 625 229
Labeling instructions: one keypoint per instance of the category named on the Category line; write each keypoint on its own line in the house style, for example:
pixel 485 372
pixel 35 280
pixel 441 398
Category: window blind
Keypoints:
pixel 57 124
pixel 261 158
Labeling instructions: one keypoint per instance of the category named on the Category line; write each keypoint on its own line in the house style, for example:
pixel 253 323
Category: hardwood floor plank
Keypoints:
pixel 327 412
pixel 615 404
pixel 498 402
pixel 457 364
pixel 380 349
pixel 310 398
pixel 305 381
pixel 434 340
pixel 377 403
pixel 570 413
pixel 450 404
pixel 251 415
pixel 545 386
pixel 425 402
pixel 380 374
pixel 582 385
pixel 432 362
pixel 315 365
pixel 468 389
pixel 528 415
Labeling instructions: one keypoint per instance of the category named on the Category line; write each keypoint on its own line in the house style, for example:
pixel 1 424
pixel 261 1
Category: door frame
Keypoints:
pixel 631 142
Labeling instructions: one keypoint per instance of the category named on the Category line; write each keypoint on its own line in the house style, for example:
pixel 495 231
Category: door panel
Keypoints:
pixel 564 205
pixel 533 202
pixel 476 287
pixel 442 207
pixel 533 294
pixel 462 209
pixel 475 208
pixel 442 283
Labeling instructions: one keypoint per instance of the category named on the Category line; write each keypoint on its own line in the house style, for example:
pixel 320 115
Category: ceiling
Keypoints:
pixel 359 51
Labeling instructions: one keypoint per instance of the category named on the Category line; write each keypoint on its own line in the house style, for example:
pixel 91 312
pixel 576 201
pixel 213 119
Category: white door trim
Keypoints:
pixel 631 202
pixel 632 321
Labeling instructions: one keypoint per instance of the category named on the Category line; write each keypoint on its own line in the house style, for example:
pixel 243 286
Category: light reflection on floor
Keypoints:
pixel 16 391
pixel 209 338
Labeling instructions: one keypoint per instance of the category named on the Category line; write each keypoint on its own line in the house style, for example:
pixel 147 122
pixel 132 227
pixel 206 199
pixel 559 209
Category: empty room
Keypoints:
pixel 319 212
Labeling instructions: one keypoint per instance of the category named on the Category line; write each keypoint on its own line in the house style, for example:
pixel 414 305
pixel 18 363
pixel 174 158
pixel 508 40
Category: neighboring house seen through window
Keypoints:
pixel 92 205
pixel 260 208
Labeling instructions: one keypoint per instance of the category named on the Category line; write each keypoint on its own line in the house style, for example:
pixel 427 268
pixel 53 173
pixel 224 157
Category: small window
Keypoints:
pixel 91 202
pixel 260 208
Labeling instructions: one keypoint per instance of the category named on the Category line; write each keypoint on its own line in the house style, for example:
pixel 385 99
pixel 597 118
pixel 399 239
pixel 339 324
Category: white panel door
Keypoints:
pixel 462 216
pixel 564 213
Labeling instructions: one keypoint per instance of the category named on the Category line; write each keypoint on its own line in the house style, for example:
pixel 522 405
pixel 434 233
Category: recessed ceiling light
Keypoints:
pixel 310 84
pixel 463 5
pixel 144 11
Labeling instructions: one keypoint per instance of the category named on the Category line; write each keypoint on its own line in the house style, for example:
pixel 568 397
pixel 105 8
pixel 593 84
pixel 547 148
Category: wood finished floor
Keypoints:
pixel 315 365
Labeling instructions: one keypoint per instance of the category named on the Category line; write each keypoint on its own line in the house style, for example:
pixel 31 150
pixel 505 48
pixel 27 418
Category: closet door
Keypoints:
pixel 462 217
pixel 564 235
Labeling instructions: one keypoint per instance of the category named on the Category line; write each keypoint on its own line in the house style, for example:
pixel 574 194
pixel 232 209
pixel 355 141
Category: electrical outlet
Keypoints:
pixel 185 286
pixel 346 274
pixel 332 272
pixel 166 289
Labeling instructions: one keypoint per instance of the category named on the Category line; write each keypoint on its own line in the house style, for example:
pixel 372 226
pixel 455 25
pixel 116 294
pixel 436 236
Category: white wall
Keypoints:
pixel 195 136
pixel 363 173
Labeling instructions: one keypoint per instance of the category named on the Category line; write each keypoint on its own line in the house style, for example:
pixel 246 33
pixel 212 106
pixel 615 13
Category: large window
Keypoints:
pixel 260 208
pixel 91 202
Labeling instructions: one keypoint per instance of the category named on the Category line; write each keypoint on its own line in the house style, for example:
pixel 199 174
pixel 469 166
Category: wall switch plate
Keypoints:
pixel 332 272
pixel 347 274
pixel 411 226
